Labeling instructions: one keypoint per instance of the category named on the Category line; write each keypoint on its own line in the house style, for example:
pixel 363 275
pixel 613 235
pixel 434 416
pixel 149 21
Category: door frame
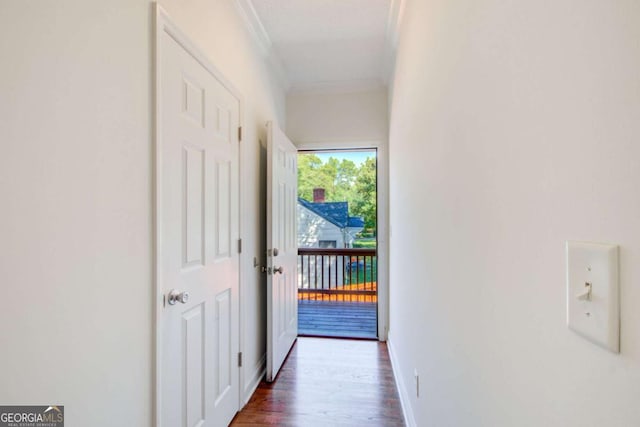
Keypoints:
pixel 382 194
pixel 162 23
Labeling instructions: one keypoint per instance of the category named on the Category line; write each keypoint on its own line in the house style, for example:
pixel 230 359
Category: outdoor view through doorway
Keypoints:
pixel 337 243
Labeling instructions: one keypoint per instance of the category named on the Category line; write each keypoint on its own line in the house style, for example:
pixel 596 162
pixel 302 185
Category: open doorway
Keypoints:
pixel 337 241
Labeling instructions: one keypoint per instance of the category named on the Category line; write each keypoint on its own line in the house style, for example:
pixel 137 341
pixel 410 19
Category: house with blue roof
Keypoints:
pixel 326 224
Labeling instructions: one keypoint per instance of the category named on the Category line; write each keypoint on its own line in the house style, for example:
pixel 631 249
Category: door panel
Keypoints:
pixel 193 205
pixel 197 225
pixel 282 271
pixel 223 207
pixel 224 366
pixel 194 357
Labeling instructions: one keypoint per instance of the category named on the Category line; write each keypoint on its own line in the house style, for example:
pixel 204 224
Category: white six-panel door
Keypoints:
pixel 197 218
pixel 282 252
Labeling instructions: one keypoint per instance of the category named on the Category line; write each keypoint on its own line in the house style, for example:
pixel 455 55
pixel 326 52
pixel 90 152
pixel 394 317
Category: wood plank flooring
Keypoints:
pixel 337 319
pixel 325 383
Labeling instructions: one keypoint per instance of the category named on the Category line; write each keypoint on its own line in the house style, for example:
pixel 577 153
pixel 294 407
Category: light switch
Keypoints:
pixel 593 303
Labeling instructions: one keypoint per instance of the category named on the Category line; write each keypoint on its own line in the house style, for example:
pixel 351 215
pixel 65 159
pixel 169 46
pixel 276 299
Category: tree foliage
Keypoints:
pixel 343 181
pixel 365 200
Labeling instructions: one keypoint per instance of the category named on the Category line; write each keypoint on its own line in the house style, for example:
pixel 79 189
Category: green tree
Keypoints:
pixel 329 171
pixel 343 181
pixel 364 204
pixel 346 174
pixel 310 175
pixel 337 177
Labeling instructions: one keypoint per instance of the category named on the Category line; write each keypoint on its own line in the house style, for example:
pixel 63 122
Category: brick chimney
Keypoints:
pixel 318 195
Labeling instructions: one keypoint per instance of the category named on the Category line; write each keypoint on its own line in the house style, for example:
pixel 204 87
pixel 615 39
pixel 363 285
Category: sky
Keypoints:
pixel 358 157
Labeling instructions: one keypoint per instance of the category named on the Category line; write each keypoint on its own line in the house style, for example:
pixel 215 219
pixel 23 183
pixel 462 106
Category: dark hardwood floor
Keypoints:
pixel 328 382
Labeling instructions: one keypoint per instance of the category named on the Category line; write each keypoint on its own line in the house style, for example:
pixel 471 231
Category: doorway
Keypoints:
pixel 337 241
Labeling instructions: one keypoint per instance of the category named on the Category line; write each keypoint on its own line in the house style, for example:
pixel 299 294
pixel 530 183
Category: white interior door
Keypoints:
pixel 198 269
pixel 282 248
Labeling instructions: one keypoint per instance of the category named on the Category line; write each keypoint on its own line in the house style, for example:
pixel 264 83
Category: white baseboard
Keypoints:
pixel 255 376
pixel 407 410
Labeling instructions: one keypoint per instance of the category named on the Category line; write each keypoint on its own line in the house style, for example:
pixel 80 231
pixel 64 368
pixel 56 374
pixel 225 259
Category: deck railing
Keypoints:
pixel 348 275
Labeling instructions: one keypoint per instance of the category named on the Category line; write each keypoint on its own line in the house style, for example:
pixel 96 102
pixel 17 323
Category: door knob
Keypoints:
pixel 176 296
pixel 278 270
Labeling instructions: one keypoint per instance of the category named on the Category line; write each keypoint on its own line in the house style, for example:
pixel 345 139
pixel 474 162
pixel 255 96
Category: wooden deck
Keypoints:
pixel 337 319
pixel 328 383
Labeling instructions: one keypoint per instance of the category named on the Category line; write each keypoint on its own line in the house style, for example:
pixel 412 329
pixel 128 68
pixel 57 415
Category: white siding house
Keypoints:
pixel 315 231
pixel 326 225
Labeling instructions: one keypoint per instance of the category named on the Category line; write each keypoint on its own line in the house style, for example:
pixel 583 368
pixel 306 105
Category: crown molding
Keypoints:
pixel 396 11
pixel 392 34
pixel 254 25
pixel 262 40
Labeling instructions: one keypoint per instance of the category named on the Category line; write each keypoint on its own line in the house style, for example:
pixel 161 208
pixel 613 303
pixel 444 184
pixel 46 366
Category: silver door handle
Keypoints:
pixel 176 296
pixel 278 270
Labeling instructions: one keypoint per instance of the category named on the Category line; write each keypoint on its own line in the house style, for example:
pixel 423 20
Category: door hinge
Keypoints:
pixel 240 360
pixel 239 133
pixel 239 246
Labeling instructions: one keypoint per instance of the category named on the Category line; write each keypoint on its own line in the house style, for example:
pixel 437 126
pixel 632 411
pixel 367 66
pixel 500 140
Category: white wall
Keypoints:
pixel 337 116
pixel 514 127
pixel 76 191
pixel 75 185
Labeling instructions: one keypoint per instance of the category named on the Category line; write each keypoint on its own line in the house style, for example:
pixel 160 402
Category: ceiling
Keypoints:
pixel 325 44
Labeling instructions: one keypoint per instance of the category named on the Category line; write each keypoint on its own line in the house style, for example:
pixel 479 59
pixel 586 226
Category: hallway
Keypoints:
pixel 328 382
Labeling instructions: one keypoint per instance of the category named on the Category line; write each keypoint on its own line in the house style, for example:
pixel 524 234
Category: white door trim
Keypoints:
pixel 383 214
pixel 163 24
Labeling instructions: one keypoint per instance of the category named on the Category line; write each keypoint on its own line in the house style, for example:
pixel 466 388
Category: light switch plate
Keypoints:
pixel 593 303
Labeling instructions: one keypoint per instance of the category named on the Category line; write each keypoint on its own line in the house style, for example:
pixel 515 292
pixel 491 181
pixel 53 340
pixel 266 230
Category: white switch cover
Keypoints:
pixel 593 303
